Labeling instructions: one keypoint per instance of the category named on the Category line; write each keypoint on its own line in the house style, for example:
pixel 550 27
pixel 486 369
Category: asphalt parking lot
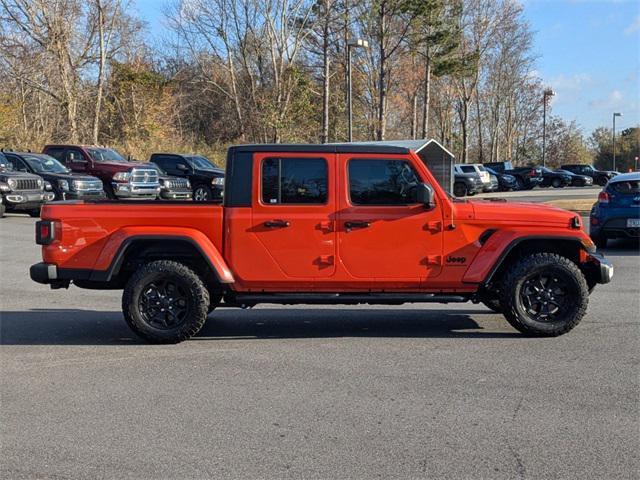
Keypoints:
pixel 307 392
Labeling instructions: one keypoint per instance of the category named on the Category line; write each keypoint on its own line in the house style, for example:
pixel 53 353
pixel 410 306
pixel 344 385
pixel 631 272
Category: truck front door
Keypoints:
pixel 383 233
pixel 291 232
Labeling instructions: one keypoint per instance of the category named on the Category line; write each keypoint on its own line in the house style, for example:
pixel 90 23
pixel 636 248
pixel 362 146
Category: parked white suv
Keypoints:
pixel 477 169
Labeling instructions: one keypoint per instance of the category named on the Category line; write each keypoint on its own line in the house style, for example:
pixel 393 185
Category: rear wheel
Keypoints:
pixel 520 183
pixel 556 183
pixel 459 189
pixel 165 302
pixel 602 181
pixel 544 294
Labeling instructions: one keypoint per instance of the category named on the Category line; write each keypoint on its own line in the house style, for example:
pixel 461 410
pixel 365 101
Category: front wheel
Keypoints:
pixel 544 294
pixel 202 193
pixel 602 181
pixel 459 189
pixel 165 302
pixel 556 183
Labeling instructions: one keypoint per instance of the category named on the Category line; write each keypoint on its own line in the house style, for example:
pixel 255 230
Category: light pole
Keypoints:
pixel 615 114
pixel 358 43
pixel 546 94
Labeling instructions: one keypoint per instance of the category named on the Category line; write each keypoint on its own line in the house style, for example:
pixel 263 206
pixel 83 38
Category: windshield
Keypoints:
pixel 566 172
pixel 546 170
pixel 4 163
pixel 157 167
pixel 467 169
pixel 200 163
pixel 105 155
pixel 45 164
pixel 481 168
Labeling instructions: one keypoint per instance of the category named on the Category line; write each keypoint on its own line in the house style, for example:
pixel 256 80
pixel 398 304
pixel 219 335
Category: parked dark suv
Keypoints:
pixel 601 177
pixel 526 177
pixel 20 191
pixel 67 185
pixel 206 179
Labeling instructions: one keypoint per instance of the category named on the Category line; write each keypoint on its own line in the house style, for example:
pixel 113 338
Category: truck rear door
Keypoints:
pixel 291 233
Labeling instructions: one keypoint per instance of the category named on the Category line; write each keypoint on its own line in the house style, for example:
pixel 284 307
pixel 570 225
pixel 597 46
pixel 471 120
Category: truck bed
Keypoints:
pixel 88 234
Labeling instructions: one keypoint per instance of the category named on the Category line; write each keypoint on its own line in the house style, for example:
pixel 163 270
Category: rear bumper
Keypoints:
pixel 43 273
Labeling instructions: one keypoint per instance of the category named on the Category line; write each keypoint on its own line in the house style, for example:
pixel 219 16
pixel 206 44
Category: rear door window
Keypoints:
pixel 382 182
pixel 294 181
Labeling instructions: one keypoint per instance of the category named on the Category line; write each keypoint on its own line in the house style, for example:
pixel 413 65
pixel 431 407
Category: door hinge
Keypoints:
pixel 325 259
pixel 434 226
pixel 434 259
pixel 326 226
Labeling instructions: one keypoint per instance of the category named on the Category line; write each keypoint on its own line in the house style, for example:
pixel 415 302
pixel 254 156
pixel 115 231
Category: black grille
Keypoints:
pixel 27 184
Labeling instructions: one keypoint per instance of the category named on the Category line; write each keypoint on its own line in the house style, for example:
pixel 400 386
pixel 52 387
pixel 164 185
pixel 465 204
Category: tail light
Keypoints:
pixel 594 221
pixel 603 197
pixel 533 173
pixel 45 232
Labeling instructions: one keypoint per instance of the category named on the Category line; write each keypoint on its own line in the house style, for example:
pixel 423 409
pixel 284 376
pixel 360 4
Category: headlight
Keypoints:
pixel 47 186
pixel 12 184
pixel 122 176
pixel 188 184
pixel 218 181
pixel 40 183
pixel 64 185
pixel 4 187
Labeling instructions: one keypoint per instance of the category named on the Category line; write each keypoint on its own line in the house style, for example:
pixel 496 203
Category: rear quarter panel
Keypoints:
pixel 89 234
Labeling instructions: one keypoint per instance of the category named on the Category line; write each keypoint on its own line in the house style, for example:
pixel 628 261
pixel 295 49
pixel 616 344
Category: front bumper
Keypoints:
pixel 127 190
pixel 600 268
pixel 76 195
pixel 23 200
pixel 175 195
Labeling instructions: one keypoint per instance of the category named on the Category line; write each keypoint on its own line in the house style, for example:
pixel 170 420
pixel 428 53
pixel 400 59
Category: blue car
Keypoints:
pixel 617 213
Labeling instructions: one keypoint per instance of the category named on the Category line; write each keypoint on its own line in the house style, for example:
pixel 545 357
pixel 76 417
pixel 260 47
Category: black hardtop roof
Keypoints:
pixel 390 147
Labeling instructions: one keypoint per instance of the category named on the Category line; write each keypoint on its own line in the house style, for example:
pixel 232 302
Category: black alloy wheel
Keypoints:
pixel 544 294
pixel 165 302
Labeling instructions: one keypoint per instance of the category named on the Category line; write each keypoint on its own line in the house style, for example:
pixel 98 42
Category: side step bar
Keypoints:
pixel 249 299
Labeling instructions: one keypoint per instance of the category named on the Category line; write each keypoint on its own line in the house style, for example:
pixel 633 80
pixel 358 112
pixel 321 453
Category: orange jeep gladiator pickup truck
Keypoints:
pixel 323 224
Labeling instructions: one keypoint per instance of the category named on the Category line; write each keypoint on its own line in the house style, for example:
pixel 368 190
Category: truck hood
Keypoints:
pixel 521 212
pixel 67 176
pixel 120 166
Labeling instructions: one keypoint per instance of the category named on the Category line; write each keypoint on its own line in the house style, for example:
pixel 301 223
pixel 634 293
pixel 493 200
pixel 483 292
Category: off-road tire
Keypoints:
pixel 197 298
pixel 459 189
pixel 576 295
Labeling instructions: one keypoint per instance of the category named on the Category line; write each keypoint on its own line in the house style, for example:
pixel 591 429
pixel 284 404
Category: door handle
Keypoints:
pixel 276 224
pixel 356 224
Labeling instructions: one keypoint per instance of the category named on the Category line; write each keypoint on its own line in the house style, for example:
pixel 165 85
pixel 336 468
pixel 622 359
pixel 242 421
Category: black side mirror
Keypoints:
pixel 182 167
pixel 425 195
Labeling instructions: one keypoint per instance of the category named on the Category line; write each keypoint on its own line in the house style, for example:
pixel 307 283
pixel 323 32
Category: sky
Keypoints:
pixel 588 52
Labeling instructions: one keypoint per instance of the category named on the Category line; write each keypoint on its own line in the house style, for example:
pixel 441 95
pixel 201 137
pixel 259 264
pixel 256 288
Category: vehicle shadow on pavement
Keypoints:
pixel 89 327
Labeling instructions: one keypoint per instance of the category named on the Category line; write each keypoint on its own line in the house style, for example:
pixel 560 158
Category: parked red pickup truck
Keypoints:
pixel 323 224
